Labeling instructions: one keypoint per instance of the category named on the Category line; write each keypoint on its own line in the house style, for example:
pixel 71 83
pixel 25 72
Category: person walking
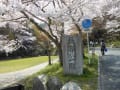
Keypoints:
pixel 103 47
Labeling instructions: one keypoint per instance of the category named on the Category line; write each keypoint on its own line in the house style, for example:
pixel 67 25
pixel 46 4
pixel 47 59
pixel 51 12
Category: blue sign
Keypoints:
pixel 86 23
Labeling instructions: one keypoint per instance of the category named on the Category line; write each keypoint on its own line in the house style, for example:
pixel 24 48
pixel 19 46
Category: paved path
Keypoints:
pixel 111 51
pixel 13 77
pixel 109 78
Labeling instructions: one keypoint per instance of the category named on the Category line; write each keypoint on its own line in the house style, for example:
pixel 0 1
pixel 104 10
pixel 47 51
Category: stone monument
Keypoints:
pixel 72 54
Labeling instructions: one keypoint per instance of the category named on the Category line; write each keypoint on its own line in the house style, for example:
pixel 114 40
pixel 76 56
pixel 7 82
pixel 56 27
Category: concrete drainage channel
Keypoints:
pixel 14 87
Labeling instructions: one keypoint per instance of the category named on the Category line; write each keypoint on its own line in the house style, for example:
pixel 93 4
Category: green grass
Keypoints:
pixel 116 44
pixel 18 64
pixel 87 81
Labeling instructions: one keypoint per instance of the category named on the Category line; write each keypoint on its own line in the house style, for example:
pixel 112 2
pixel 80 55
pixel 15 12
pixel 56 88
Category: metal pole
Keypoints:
pixel 88 40
pixel 88 45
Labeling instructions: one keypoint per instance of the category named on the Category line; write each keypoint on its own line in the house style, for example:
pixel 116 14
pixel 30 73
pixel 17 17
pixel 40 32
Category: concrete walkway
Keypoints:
pixel 13 77
pixel 109 72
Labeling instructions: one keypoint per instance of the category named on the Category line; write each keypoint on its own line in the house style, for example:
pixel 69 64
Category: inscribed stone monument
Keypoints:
pixel 72 54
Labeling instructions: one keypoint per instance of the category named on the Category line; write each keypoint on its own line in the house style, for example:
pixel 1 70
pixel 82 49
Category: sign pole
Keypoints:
pixel 86 24
pixel 88 45
pixel 88 40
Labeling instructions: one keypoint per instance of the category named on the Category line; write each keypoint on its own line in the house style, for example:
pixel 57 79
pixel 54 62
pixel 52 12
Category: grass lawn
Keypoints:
pixel 87 81
pixel 18 64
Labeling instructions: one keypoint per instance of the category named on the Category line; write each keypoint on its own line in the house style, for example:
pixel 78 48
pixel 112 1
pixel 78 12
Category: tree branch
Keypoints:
pixel 49 25
pixel 40 28
pixel 36 17
pixel 44 31
pixel 15 19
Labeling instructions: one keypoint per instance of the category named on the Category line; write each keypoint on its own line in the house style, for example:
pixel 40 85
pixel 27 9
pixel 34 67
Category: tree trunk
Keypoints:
pixel 48 52
pixel 49 57
pixel 80 32
pixel 59 47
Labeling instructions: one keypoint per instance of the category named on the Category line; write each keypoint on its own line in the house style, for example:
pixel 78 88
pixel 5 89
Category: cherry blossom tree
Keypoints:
pixel 51 16
pixel 111 15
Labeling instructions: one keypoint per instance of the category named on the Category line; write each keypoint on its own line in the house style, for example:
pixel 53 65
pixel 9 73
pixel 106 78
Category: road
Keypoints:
pixel 109 69
pixel 111 51
pixel 109 72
